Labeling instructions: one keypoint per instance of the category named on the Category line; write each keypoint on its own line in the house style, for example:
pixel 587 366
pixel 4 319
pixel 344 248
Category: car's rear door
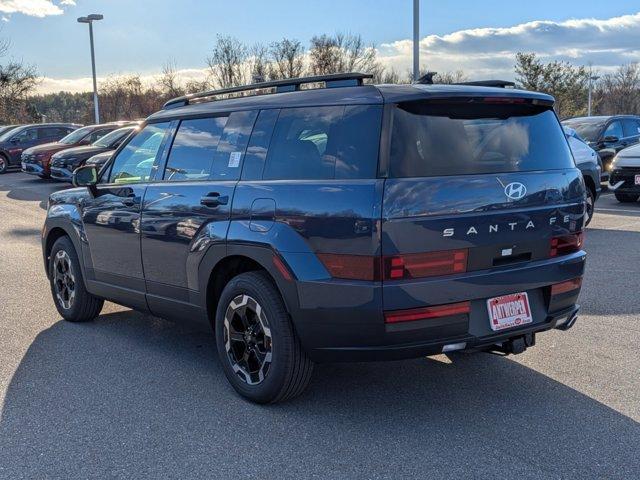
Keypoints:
pixel 187 209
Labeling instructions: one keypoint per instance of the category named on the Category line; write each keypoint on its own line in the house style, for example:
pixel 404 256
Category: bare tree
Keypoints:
pixel 17 81
pixel 287 59
pixel 341 53
pixel 169 83
pixel 227 62
pixel 619 92
pixel 258 63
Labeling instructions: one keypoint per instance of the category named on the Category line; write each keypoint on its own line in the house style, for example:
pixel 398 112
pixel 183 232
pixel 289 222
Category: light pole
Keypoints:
pixel 90 19
pixel 416 40
pixel 592 78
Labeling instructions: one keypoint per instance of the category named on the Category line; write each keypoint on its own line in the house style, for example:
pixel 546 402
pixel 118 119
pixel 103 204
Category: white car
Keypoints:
pixel 625 175
pixel 588 161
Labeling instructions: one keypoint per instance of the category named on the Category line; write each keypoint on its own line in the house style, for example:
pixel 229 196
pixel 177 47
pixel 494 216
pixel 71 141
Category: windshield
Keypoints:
pixel 112 138
pixel 76 135
pixel 589 130
pixel 6 134
pixel 462 139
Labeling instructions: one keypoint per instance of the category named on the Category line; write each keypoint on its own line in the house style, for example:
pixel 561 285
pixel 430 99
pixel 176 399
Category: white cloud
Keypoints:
pixel 85 84
pixel 34 8
pixel 483 52
pixel 491 51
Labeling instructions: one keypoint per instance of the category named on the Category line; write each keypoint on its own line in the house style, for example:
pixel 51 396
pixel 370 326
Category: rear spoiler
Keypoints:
pixel 427 79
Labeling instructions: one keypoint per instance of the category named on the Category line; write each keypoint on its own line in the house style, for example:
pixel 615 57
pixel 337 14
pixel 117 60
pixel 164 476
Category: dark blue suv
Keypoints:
pixel 336 222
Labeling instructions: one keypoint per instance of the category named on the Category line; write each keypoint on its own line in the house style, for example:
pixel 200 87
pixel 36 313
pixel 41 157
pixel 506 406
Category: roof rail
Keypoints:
pixel 278 86
pixel 490 83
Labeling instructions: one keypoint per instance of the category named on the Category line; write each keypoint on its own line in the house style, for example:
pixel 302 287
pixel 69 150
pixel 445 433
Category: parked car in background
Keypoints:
pixel 16 140
pixel 99 160
pixel 5 128
pixel 588 162
pixel 347 223
pixel 625 175
pixel 37 160
pixel 607 135
pixel 66 161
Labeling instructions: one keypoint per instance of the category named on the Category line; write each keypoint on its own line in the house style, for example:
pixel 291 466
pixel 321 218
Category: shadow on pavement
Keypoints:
pixel 20 186
pixel 132 396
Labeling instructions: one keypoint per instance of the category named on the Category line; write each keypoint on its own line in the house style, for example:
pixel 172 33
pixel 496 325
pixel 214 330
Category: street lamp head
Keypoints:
pixel 95 16
pixel 83 20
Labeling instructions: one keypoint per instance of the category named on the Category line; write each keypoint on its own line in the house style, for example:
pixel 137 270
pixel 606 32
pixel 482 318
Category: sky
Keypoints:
pixel 480 37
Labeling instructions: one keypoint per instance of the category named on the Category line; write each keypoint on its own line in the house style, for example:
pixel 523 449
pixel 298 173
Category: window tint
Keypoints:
pixel 134 162
pixel 458 139
pixel 97 135
pixel 631 128
pixel 227 161
pixel 613 130
pixel 52 132
pixel 195 143
pixel 325 143
pixel 259 145
pixel 27 135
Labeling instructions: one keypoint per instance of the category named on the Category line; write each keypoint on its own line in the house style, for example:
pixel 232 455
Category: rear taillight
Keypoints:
pixel 419 265
pixel 426 313
pixel 351 267
pixel 568 286
pixel 395 267
pixel 566 244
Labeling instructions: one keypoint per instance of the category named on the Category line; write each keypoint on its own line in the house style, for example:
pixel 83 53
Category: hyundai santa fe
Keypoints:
pixel 324 219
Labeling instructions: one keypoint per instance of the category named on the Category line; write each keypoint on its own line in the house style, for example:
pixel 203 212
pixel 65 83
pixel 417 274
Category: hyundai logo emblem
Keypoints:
pixel 515 190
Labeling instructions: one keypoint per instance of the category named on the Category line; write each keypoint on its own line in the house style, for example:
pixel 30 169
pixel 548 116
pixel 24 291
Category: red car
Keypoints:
pixel 37 160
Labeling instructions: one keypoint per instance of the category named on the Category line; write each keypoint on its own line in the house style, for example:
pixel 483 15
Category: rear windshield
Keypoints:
pixel 460 139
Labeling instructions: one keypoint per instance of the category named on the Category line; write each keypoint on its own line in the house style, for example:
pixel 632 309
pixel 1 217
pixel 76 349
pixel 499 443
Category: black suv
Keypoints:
pixel 346 223
pixel 15 140
pixel 607 135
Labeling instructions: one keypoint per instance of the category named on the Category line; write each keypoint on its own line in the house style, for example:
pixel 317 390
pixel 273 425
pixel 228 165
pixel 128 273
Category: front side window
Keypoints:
pixel 194 146
pixel 113 139
pixel 323 143
pixel 463 139
pixel 631 128
pixel 134 162
pixel 27 135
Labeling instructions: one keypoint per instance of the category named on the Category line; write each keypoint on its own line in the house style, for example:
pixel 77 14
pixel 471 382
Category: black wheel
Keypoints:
pixel 590 206
pixel 72 300
pixel 627 197
pixel 4 164
pixel 258 348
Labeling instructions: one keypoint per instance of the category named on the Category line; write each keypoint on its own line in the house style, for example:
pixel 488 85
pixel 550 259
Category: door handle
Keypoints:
pixel 213 200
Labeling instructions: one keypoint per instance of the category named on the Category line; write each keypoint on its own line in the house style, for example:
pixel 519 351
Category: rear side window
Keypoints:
pixel 460 139
pixel 321 143
pixel 227 160
pixel 195 143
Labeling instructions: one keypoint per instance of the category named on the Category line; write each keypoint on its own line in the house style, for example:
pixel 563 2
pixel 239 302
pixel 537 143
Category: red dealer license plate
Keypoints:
pixel 509 311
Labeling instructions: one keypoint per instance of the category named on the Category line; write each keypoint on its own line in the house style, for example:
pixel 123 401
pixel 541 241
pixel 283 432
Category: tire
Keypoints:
pixel 4 164
pixel 590 207
pixel 627 197
pixel 69 294
pixel 252 298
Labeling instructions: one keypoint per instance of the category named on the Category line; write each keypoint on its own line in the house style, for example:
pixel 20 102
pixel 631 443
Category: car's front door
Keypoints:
pixel 631 130
pixel 187 209
pixel 111 217
pixel 26 138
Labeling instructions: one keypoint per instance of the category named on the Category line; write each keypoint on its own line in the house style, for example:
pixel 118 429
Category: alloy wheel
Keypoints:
pixel 247 339
pixel 64 280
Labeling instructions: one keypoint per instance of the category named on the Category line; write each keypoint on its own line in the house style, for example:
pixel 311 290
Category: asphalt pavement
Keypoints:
pixel 134 396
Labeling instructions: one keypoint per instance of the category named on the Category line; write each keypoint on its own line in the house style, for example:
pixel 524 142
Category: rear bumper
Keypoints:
pixel 61 174
pixel 344 321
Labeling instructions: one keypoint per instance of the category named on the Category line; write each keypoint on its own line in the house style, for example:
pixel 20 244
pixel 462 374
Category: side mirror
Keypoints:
pixel 610 139
pixel 86 176
pixel 15 140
